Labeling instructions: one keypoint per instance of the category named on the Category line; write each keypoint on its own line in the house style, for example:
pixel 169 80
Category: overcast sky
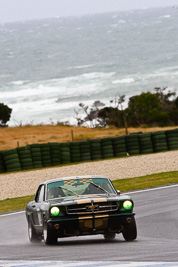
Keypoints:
pixel 18 10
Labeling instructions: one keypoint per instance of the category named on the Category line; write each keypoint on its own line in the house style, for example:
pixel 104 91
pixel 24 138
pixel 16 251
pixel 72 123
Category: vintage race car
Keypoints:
pixel 79 205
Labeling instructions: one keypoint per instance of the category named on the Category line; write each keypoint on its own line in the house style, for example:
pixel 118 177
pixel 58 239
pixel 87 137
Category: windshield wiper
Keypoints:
pixel 69 190
pixel 98 186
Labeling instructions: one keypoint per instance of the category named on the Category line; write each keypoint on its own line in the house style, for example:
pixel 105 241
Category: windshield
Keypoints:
pixel 80 187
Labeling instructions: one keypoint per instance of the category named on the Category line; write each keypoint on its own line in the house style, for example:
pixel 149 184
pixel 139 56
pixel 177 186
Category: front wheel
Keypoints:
pixel 130 230
pixel 109 236
pixel 33 237
pixel 49 235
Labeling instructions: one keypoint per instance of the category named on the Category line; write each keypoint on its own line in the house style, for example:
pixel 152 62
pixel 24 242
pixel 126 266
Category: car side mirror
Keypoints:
pixel 118 192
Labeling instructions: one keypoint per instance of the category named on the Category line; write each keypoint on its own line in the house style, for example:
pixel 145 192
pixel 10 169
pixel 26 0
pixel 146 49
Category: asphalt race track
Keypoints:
pixel 157 220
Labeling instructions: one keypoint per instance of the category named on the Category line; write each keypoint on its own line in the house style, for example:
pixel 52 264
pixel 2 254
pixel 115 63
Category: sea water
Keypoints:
pixel 49 66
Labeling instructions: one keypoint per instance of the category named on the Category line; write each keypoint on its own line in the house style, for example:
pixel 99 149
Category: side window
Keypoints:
pixel 40 194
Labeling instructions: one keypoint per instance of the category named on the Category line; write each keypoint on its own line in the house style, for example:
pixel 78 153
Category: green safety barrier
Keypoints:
pixel 53 154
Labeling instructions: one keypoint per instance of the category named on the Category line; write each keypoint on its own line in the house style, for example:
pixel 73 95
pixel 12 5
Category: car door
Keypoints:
pixel 37 207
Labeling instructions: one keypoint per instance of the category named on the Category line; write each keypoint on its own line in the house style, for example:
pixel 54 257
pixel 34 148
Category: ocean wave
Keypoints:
pixel 117 24
pixel 125 80
pixel 86 84
pixel 82 66
pixel 166 16
pixel 171 71
pixel 19 83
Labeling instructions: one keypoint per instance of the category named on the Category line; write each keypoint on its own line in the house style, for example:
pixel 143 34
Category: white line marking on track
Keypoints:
pixel 153 189
pixel 12 213
pixel 85 264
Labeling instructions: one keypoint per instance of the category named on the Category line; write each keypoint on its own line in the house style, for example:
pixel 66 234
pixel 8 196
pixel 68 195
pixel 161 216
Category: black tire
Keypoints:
pixel 33 237
pixel 131 138
pixel 25 160
pixel 85 158
pixel 132 143
pixel 162 133
pixel 107 156
pixel 171 147
pixel 65 161
pixel 96 151
pixel 55 160
pixel 25 156
pixel 75 152
pixel 35 150
pixel 55 163
pixel 172 135
pixel 144 135
pixel 47 157
pixel 34 146
pixel 130 230
pixel 94 146
pixel 108 151
pixel 172 143
pixel 36 155
pixel 172 139
pixel 65 153
pixel 146 151
pixel 45 154
pixel 27 168
pixel 9 152
pixel 11 157
pixel 12 161
pixel 36 159
pixel 14 165
pixel 55 154
pixel 133 147
pixel 95 157
pixel 119 150
pixel 160 148
pixel 36 166
pixel 120 154
pixel 134 152
pixel 158 141
pixel 27 164
pixel 122 146
pixel 109 236
pixel 49 236
pixel 106 143
pixel 14 169
pixel 119 138
pixel 146 146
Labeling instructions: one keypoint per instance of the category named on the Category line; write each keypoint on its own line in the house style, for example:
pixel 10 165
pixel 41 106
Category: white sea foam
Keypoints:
pixel 166 16
pixel 83 84
pixel 19 82
pixel 46 98
pixel 82 66
pixel 162 72
pixel 125 80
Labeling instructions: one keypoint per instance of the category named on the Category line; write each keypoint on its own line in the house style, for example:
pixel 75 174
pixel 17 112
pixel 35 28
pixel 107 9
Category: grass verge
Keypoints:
pixel 148 181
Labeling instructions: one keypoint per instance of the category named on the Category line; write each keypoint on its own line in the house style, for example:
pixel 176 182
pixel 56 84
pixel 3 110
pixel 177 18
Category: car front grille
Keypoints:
pixel 98 207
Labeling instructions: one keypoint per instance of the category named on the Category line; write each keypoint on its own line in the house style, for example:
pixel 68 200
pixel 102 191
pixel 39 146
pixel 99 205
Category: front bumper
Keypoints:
pixel 89 224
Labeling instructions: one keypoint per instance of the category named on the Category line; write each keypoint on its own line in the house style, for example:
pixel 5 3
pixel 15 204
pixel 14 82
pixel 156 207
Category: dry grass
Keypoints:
pixel 24 135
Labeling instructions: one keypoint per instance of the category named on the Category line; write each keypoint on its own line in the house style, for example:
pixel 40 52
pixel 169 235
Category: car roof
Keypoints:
pixel 74 177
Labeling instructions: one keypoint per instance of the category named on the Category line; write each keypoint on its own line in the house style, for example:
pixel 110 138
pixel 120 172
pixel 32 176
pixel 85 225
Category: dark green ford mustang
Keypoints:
pixel 79 205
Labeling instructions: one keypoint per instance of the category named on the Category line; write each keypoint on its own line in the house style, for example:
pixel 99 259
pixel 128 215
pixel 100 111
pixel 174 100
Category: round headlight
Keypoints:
pixel 55 211
pixel 127 205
